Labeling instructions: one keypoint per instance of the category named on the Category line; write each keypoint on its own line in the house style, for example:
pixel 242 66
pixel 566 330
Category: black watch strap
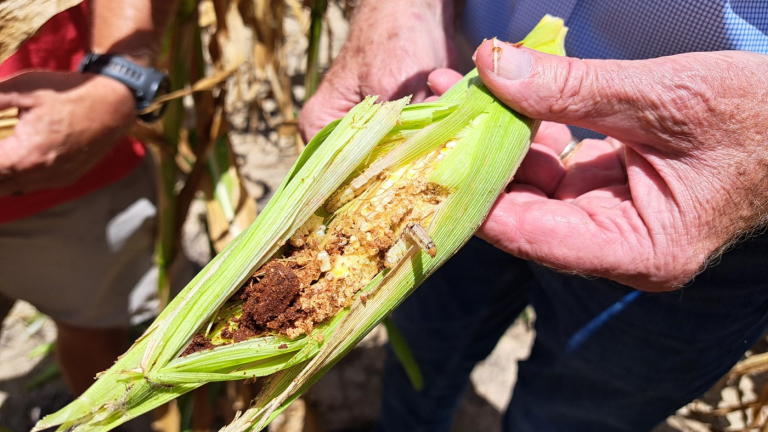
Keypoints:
pixel 145 83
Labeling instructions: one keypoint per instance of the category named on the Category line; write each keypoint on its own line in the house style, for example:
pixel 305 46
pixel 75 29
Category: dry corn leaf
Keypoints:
pixel 206 14
pixel 204 84
pixel 754 364
pixel 8 120
pixel 226 223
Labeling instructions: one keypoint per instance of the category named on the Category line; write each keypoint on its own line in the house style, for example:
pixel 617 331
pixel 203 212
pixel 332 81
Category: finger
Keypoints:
pixel 327 105
pixel 18 91
pixel 620 150
pixel 634 101
pixel 15 100
pixel 596 240
pixel 440 80
pixel 606 197
pixel 595 164
pixel 553 135
pixel 524 193
pixel 432 99
pixel 541 169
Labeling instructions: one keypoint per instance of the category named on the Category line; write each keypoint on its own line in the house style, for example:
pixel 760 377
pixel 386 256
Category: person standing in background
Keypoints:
pixel 77 197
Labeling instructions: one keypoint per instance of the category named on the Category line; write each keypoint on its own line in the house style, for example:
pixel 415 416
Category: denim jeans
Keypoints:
pixel 606 357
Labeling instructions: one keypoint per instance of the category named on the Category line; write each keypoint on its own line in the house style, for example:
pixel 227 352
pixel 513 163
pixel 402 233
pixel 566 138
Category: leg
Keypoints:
pixel 608 358
pixel 87 264
pixel 450 323
pixel 84 352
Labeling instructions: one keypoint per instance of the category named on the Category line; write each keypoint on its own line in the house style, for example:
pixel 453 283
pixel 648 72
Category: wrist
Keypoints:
pixel 430 15
pixel 122 95
pixel 144 83
pixel 142 54
pixel 424 27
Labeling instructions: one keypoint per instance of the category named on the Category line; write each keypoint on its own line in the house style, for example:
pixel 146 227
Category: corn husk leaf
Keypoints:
pixel 489 144
pixel 8 120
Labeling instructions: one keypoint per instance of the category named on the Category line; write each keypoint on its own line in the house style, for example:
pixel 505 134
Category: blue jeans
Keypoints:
pixel 606 357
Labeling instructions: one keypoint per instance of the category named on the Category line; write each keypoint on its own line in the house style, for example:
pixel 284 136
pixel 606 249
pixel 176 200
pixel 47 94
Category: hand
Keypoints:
pixel 390 60
pixel 685 176
pixel 542 163
pixel 67 123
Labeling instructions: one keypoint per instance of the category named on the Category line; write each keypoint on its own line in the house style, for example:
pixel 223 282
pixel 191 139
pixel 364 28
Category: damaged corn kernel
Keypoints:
pixel 330 259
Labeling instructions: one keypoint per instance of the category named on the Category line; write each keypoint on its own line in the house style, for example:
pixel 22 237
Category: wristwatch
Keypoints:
pixel 146 84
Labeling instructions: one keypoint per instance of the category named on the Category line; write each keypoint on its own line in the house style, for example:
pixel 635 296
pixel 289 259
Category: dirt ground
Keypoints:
pixel 347 398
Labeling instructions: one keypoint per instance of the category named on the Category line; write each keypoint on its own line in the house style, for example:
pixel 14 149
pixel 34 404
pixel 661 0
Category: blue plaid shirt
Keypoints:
pixel 625 29
pixel 621 29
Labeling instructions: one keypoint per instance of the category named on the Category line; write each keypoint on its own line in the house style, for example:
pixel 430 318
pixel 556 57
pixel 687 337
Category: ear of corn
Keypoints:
pixel 376 203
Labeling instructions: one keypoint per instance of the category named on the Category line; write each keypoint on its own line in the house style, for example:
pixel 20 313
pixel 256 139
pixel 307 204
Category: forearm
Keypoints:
pixel 402 13
pixel 416 35
pixel 133 28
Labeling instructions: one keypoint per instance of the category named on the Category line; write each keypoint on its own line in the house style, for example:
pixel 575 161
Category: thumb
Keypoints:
pixel 635 101
pixel 10 103
pixel 12 100
pixel 329 103
pixel 15 92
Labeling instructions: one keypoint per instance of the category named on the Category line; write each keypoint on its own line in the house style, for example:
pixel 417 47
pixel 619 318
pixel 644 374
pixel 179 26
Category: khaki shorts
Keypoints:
pixel 88 262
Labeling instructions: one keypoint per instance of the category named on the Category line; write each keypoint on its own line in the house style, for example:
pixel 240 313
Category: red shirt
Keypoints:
pixel 60 45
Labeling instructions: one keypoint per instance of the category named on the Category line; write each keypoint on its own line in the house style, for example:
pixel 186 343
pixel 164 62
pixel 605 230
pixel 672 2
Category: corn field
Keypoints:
pixel 360 219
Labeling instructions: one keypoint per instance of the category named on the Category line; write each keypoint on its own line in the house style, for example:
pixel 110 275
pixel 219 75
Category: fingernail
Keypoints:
pixel 511 63
pixel 474 55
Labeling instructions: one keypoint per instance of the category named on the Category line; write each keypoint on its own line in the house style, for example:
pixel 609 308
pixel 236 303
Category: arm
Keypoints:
pixel 69 121
pixel 392 47
pixel 130 28
pixel 684 176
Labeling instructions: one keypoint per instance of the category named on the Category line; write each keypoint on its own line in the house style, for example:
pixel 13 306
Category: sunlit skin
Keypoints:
pixel 69 121
pixel 631 213
pixel 383 60
pixel 58 137
pixel 685 173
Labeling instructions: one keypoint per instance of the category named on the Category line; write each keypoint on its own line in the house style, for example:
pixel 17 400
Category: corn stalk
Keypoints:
pixel 442 163
pixel 312 76
pixel 192 142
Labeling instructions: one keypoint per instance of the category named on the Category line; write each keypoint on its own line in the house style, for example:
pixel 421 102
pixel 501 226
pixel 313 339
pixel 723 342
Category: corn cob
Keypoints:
pixel 393 191
pixel 8 120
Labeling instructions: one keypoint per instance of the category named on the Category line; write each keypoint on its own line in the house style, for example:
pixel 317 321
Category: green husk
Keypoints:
pixel 490 142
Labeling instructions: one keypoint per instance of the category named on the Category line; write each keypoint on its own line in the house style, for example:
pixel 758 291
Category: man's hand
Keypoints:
pixel 685 176
pixel 392 47
pixel 67 123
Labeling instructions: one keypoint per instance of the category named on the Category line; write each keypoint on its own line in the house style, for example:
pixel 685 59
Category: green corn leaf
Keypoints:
pixel 475 143
pixel 404 354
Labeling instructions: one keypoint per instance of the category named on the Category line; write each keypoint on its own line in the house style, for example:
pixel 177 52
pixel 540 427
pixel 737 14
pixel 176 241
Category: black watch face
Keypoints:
pixel 147 84
pixel 163 88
